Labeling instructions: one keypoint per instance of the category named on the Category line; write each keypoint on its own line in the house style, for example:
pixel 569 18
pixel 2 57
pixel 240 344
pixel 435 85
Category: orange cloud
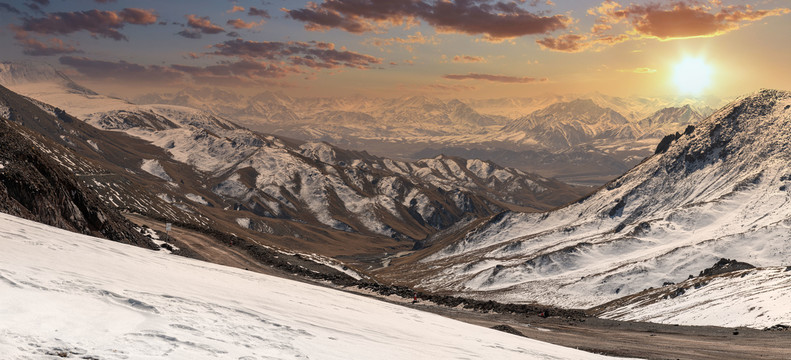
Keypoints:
pixel 683 19
pixel 203 24
pixel 416 38
pixel 240 24
pixel 34 47
pixel 468 59
pixel 662 21
pixel 572 43
pixel 235 8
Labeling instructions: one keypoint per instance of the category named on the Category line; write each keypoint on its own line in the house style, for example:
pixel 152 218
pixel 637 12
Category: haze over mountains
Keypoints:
pixel 584 138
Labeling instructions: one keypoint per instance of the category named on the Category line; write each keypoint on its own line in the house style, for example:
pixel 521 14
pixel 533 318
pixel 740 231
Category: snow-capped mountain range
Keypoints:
pixel 624 130
pixel 205 169
pixel 718 190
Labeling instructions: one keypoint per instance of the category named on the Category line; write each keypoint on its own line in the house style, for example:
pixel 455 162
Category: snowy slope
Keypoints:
pixel 719 191
pixel 63 294
pixel 568 124
pixel 754 298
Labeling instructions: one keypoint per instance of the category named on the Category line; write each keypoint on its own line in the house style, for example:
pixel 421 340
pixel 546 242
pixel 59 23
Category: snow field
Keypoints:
pixel 83 296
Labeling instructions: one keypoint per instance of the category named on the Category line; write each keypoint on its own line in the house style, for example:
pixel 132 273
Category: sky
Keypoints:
pixel 390 48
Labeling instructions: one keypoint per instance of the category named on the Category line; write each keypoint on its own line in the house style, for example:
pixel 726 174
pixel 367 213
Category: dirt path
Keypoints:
pixel 627 339
pixel 209 248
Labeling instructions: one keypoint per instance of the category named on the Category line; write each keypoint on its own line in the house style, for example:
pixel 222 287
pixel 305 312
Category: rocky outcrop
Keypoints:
pixel 34 186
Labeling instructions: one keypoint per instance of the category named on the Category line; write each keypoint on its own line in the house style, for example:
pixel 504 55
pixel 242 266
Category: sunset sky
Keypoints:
pixel 465 49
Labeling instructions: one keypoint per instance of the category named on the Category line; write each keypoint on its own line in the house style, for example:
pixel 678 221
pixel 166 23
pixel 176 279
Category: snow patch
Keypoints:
pixel 196 198
pixel 153 167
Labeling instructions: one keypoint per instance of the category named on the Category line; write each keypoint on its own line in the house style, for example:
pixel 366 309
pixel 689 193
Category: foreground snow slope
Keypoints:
pixel 64 293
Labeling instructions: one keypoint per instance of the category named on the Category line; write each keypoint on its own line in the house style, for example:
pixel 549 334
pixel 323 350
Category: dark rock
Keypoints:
pixel 663 145
pixel 724 266
pixel 778 327
pixel 508 329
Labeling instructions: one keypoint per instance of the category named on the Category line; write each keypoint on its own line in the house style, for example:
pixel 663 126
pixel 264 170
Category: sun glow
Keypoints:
pixel 692 76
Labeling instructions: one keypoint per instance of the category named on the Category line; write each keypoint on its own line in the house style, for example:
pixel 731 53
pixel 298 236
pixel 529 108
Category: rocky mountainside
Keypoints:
pixel 37 182
pixel 719 190
pixel 315 182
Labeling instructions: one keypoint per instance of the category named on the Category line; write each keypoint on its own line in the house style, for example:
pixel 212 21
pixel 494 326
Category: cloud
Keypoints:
pixel 34 47
pixel 640 70
pixel 681 19
pixel 190 34
pixel 36 5
pixel 317 55
pixel 494 78
pixel 138 16
pixel 235 8
pixel 258 12
pixel 121 70
pixel 105 1
pixel 565 43
pixel 203 24
pixel 494 20
pixel 242 70
pixel 8 8
pixel 416 38
pixel 103 23
pixel 227 73
pixel 663 21
pixel 572 43
pixel 468 59
pixel 240 24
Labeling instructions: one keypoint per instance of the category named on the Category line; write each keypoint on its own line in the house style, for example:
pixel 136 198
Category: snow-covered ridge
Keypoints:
pixel 746 298
pixel 65 293
pixel 719 191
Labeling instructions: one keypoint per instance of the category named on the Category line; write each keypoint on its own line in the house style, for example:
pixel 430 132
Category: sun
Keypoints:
pixel 692 76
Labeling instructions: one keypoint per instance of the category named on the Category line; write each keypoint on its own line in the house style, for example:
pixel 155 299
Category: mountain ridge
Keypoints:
pixel 718 191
